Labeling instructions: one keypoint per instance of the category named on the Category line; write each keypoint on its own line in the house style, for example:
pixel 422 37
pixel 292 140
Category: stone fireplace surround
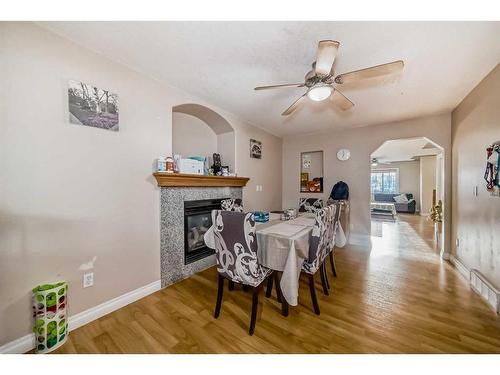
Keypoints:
pixel 172 201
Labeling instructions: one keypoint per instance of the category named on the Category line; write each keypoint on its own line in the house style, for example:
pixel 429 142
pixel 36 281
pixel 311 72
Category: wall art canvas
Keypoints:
pixel 91 106
pixel 255 149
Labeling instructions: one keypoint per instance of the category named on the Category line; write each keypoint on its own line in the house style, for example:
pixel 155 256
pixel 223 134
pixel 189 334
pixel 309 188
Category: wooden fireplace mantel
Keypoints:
pixel 194 180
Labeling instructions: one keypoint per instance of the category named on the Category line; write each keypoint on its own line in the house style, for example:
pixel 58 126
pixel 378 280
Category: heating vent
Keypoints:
pixel 485 289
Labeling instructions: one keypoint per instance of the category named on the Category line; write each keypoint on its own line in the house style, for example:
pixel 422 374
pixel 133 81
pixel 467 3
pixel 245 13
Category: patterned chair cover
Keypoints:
pixel 310 204
pixel 319 242
pixel 337 207
pixel 236 247
pixel 232 204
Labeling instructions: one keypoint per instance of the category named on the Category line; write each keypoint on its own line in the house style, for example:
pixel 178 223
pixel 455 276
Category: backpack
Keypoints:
pixel 340 191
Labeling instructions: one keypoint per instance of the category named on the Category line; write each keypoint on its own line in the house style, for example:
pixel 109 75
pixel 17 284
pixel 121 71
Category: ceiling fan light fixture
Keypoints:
pixel 319 92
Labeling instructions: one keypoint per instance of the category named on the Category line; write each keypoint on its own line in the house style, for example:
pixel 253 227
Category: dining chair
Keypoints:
pixel 232 204
pixel 310 204
pixel 331 241
pixel 338 211
pixel 236 254
pixel 332 230
pixel 318 251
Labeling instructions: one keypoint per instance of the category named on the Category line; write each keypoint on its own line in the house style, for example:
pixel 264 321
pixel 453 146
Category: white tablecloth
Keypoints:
pixel 284 246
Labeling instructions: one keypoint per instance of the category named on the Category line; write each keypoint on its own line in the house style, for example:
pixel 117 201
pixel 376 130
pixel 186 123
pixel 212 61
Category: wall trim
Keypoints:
pixel 482 286
pixel 460 267
pixel 479 284
pixel 26 343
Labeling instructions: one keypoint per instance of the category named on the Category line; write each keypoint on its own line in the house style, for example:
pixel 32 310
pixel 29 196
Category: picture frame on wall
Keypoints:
pixel 255 149
pixel 92 106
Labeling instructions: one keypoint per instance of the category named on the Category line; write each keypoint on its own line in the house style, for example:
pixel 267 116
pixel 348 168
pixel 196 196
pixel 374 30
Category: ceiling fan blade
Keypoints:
pixel 327 50
pixel 374 71
pixel 278 86
pixel 294 105
pixel 340 100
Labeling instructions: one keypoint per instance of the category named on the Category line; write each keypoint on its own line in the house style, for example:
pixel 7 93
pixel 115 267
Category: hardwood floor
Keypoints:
pixel 397 297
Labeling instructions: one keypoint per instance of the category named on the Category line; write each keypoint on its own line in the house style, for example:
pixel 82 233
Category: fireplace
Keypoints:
pixel 197 220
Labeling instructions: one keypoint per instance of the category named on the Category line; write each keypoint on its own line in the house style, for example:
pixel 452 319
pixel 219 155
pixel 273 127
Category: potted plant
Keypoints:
pixel 436 215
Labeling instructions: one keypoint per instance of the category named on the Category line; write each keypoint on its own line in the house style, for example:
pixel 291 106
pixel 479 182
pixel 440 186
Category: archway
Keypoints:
pixel 407 179
pixel 200 131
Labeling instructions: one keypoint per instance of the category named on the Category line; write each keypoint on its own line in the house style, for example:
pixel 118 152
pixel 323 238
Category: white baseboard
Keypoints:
pixel 481 285
pixel 461 268
pixel 27 342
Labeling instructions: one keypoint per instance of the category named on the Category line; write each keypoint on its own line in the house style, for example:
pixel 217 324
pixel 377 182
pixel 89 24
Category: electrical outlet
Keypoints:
pixel 88 279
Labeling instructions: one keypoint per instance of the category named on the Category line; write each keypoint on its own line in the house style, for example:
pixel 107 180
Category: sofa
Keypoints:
pixel 408 207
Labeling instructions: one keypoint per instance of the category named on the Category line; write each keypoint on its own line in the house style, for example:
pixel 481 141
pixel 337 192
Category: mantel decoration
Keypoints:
pixel 255 149
pixel 91 106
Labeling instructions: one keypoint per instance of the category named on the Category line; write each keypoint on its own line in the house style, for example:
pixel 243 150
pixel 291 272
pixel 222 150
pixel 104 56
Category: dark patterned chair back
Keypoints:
pixel 319 240
pixel 335 222
pixel 236 247
pixel 310 204
pixel 232 204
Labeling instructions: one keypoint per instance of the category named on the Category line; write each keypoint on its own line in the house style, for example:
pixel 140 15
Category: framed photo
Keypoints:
pixel 255 149
pixel 91 106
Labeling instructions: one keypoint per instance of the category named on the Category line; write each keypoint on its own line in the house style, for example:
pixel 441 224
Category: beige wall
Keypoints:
pixel 356 171
pixel 266 172
pixel 69 192
pixel 192 137
pixel 409 177
pixel 476 219
pixel 427 182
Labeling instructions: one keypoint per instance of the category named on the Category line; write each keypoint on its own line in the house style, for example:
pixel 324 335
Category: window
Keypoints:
pixel 385 181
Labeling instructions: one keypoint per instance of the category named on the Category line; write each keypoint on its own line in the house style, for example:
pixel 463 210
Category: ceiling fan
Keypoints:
pixel 320 80
pixel 374 162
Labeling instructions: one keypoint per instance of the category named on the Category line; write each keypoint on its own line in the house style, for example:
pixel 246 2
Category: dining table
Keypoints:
pixel 283 246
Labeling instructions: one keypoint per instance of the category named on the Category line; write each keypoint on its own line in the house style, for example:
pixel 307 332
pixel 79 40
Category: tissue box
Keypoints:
pixel 191 166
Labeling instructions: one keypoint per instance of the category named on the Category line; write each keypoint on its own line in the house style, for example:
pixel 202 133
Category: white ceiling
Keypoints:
pixel 404 150
pixel 221 62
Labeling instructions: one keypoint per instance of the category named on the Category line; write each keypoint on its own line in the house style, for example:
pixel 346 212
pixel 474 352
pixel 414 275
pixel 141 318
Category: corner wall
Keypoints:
pixel 476 219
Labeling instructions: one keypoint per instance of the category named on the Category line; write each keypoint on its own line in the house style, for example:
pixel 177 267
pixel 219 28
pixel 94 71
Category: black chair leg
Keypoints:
pixel 312 289
pixel 220 291
pixel 284 307
pixel 322 271
pixel 231 285
pixel 269 288
pixel 278 288
pixel 332 263
pixel 255 304
pixel 326 276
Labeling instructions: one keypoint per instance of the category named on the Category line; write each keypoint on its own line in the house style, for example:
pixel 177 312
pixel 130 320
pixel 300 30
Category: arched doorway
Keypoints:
pixel 200 131
pixel 407 179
